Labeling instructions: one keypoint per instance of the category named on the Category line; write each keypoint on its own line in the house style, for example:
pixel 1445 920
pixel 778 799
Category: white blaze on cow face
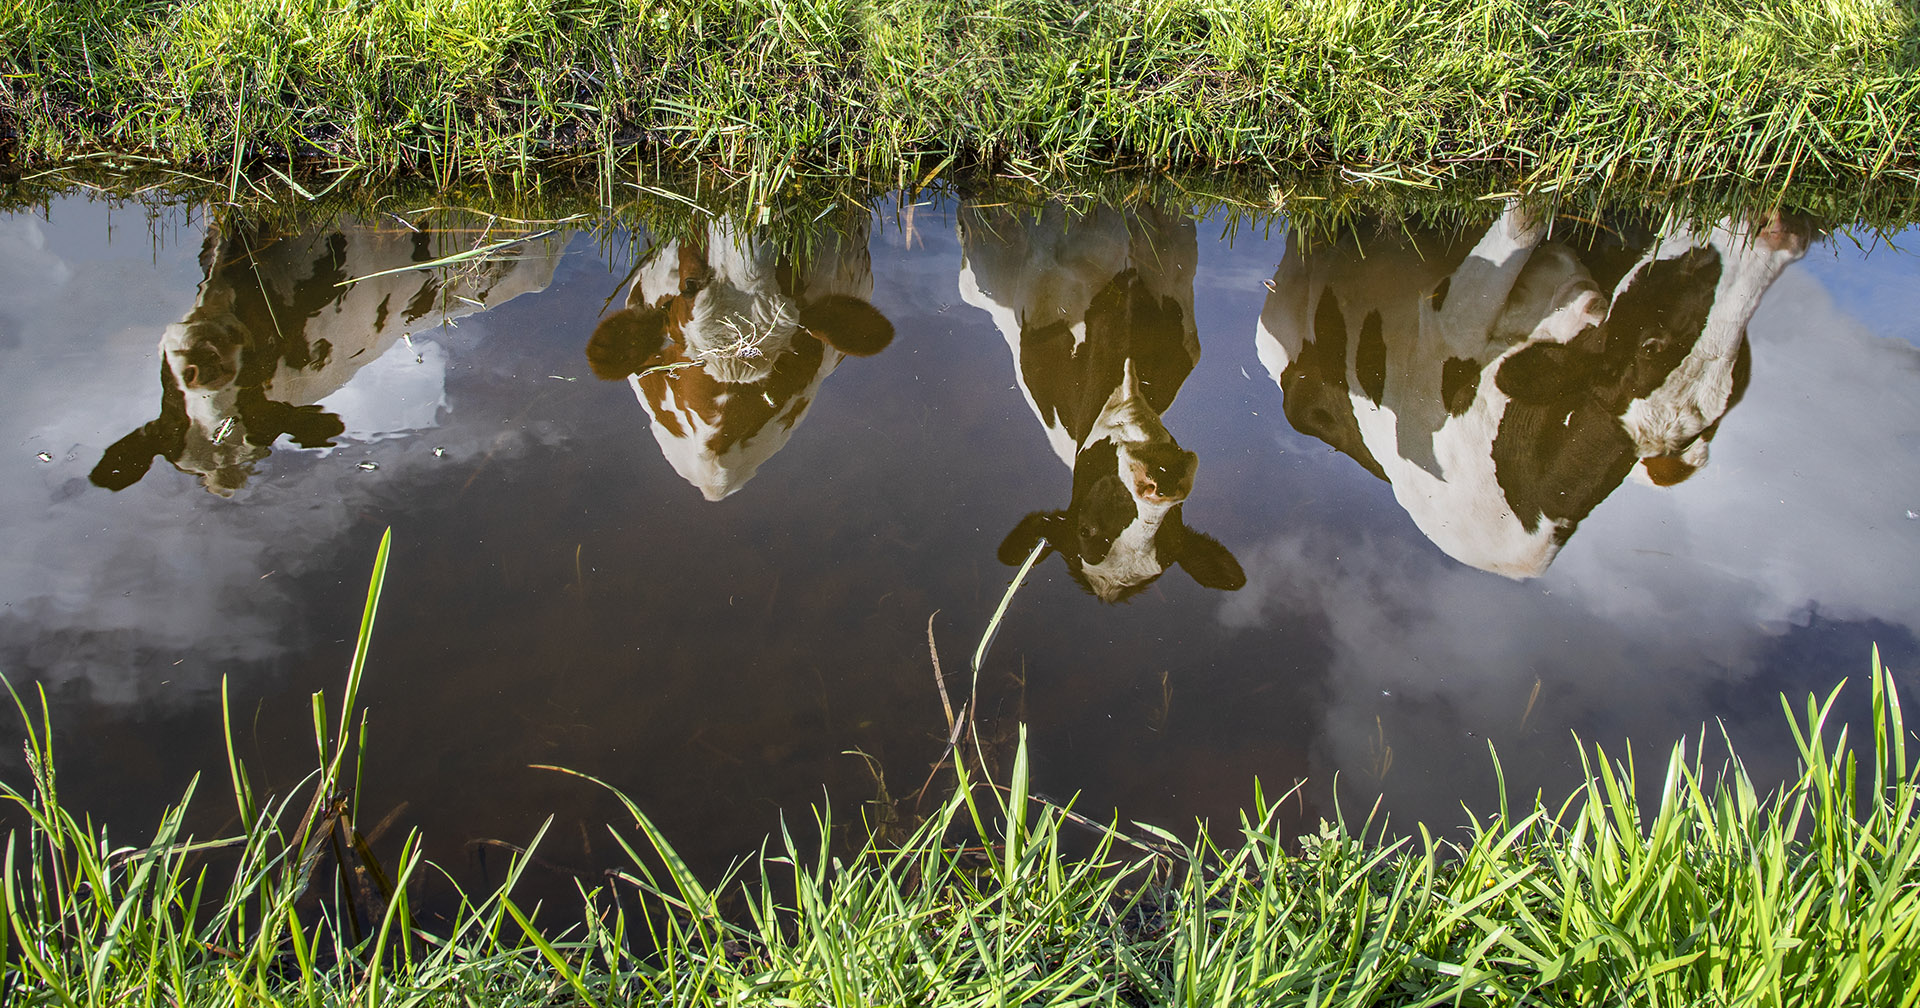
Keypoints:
pixel 726 341
pixel 1156 471
pixel 277 328
pixel 1506 388
pixel 1097 310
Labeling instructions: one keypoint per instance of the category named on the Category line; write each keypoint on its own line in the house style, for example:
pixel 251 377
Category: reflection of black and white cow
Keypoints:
pixel 726 342
pixel 273 332
pixel 1098 311
pixel 1505 383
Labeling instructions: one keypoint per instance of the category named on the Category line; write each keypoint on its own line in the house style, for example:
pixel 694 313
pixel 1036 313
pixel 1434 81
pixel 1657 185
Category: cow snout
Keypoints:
pixel 1161 473
pixel 1786 232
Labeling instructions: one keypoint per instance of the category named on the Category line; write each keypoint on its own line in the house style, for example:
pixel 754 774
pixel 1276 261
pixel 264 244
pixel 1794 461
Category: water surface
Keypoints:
pixel 676 510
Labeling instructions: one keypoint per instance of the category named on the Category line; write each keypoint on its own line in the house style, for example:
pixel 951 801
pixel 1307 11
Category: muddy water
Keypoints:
pixel 677 512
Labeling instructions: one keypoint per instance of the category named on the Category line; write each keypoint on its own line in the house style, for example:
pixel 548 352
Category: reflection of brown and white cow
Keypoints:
pixel 726 341
pixel 1506 382
pixel 1098 311
pixel 273 332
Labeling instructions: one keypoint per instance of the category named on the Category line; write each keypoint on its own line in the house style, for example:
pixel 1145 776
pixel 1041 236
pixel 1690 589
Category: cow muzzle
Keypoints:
pixel 1159 472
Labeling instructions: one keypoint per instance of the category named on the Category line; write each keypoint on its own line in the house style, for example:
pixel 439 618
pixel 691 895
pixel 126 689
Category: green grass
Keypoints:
pixel 1529 93
pixel 1715 892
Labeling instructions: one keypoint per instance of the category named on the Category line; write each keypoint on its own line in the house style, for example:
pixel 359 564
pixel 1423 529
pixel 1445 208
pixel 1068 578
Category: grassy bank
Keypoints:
pixel 1527 92
pixel 1713 892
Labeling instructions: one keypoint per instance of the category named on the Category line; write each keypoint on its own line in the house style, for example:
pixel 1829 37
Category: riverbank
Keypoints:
pixel 1526 94
pixel 1702 888
pixel 1712 893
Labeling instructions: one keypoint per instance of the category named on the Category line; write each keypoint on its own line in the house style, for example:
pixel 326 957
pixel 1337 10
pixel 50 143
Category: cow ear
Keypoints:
pixel 128 459
pixel 267 419
pixel 624 341
pixel 848 324
pixel 1031 530
pixel 1209 563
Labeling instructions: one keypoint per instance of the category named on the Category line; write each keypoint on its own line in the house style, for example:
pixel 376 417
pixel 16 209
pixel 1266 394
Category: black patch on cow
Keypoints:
pixel 1557 457
pixel 1561 448
pixel 1439 295
pixel 1370 359
pixel 1101 507
pixel 380 312
pixel 275 324
pixel 1659 318
pixel 1314 387
pixel 1608 250
pixel 422 247
pixel 1459 383
pixel 1124 321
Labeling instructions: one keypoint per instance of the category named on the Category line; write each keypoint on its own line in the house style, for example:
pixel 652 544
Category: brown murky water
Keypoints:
pixel 677 513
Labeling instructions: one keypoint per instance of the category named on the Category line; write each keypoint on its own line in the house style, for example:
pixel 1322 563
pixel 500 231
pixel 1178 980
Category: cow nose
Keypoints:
pixel 1165 474
pixel 190 375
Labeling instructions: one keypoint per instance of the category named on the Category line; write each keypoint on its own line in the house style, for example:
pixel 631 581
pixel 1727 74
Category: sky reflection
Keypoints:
pixel 563 594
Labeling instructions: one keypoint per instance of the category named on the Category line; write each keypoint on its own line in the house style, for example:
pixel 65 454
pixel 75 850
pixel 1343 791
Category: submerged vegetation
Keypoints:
pixel 1711 892
pixel 1523 94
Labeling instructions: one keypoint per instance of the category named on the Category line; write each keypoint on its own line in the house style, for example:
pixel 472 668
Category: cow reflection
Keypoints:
pixel 276 328
pixel 1098 311
pixel 726 341
pixel 1506 382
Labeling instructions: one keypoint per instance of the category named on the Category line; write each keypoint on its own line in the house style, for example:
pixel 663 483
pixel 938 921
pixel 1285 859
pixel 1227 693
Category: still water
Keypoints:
pixel 677 510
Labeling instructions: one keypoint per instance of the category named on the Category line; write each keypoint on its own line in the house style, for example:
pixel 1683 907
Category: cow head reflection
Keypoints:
pixel 1505 382
pixel 1098 311
pixel 726 341
pixel 277 328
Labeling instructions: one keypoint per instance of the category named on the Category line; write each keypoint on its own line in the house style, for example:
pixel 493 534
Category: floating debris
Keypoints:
pixel 439 451
pixel 369 465
pixel 48 457
pixel 226 427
